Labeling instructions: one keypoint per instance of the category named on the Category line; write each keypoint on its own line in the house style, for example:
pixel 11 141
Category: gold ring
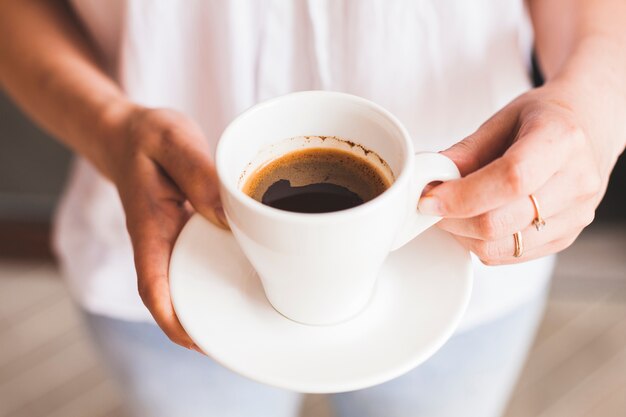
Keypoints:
pixel 519 245
pixel 538 222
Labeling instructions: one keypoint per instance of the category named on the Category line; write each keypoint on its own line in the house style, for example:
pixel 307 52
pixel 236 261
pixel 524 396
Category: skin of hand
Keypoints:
pixel 546 142
pixel 558 142
pixel 163 172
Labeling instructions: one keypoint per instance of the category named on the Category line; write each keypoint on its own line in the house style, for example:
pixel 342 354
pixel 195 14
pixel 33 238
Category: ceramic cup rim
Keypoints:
pixel 236 193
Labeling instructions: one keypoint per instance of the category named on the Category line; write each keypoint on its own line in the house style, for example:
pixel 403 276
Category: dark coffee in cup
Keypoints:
pixel 316 180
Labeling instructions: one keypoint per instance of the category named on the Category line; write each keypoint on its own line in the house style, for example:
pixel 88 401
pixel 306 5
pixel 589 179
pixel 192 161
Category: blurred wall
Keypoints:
pixel 33 168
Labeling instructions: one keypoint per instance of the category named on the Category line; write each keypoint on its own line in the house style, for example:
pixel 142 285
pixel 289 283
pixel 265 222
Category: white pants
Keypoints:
pixel 471 376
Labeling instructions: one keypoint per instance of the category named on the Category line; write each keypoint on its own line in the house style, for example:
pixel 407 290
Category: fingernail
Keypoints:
pixel 430 206
pixel 196 348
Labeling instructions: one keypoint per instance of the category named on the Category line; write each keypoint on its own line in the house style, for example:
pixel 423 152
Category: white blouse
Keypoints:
pixel 441 66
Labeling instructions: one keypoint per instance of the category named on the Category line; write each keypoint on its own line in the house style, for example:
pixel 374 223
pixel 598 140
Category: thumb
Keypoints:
pixel 487 143
pixel 197 179
pixel 194 173
pixel 184 156
pixel 216 216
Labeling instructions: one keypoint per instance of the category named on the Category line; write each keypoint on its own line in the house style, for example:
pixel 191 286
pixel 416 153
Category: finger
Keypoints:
pixel 154 221
pixel 197 349
pixel 559 194
pixel 541 150
pixel 184 155
pixel 487 143
pixel 549 248
pixel 152 253
pixel 502 250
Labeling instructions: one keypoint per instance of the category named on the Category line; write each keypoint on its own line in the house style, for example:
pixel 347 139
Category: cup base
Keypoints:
pixel 345 319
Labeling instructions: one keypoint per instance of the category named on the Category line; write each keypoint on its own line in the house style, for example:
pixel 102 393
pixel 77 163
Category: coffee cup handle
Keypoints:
pixel 428 167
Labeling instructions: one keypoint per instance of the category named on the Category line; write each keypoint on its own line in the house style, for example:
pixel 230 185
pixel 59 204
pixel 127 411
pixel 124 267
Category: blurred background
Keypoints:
pixel 577 366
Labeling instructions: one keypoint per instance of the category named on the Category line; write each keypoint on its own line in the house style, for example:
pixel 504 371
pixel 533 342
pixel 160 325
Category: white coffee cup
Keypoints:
pixel 321 268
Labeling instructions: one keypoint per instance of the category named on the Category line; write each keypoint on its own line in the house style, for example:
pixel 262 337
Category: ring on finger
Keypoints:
pixel 538 221
pixel 519 244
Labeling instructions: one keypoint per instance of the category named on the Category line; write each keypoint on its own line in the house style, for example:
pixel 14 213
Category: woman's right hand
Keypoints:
pixel 161 166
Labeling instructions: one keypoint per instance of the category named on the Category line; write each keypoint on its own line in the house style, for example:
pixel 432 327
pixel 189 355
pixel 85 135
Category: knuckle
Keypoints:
pixel 590 184
pixel 549 124
pixel 575 135
pixel 444 206
pixel 455 203
pixel 491 262
pixel 137 142
pixel 490 225
pixel 140 130
pixel 168 137
pixel 480 249
pixel 488 251
pixel 587 217
pixel 514 175
pixel 466 154
pixel 151 129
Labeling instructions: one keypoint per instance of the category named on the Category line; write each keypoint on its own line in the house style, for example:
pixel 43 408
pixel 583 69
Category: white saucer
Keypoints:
pixel 422 293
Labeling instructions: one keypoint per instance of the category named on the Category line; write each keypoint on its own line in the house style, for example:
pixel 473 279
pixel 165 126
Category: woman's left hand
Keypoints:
pixel 549 142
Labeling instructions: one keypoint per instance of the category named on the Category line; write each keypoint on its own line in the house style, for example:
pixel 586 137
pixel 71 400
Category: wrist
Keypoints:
pixel 111 133
pixel 593 77
pixel 593 84
pixel 597 61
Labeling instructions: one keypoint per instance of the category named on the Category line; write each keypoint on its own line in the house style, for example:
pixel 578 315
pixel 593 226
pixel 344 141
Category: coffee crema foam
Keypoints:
pixel 319 179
